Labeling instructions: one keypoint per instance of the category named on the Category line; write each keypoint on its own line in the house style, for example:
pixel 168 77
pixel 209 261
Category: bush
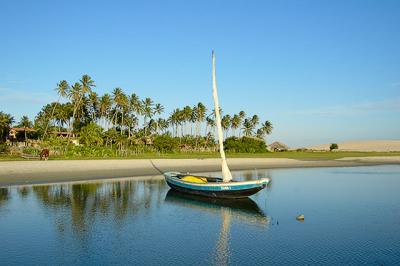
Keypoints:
pixel 165 143
pixel 245 145
pixel 333 146
pixel 4 148
pixel 91 135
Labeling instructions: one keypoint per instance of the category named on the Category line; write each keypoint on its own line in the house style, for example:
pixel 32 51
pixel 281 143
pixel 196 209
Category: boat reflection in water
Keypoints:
pixel 243 210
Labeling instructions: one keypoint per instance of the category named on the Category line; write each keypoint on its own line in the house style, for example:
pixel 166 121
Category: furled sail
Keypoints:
pixel 226 173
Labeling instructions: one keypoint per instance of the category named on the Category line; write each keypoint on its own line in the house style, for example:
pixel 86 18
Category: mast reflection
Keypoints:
pixel 244 210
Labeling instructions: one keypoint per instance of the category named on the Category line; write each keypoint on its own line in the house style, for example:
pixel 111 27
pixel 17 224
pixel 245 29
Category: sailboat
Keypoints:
pixel 216 187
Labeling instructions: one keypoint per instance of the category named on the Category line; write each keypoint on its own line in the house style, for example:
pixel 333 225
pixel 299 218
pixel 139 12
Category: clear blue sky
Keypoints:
pixel 321 71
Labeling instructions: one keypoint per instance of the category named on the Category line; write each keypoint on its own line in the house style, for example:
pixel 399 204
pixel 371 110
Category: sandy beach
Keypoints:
pixel 39 172
pixel 364 146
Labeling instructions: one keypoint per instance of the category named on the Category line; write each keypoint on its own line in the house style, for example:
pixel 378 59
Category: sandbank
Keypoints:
pixel 42 172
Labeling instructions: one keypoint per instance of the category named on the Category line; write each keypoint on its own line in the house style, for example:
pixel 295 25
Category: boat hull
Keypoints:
pixel 216 190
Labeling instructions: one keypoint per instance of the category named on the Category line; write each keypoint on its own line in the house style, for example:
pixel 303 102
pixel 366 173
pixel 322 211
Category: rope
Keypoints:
pixel 155 167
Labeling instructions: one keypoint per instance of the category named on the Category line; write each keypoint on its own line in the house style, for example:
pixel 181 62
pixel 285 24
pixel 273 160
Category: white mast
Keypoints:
pixel 226 173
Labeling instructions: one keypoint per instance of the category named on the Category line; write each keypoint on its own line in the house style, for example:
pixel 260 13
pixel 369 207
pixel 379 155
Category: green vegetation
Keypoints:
pixel 245 145
pixel 82 124
pixel 333 146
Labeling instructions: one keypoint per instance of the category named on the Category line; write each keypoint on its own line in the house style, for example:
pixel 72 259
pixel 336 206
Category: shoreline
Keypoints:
pixel 14 173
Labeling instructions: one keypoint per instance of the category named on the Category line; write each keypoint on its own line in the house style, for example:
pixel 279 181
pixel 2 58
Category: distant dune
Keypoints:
pixel 366 145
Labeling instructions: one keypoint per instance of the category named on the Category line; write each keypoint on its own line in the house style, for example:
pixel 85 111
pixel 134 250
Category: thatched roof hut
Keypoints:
pixel 278 146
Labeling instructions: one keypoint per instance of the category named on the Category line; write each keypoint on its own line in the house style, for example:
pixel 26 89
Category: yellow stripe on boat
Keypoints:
pixel 194 179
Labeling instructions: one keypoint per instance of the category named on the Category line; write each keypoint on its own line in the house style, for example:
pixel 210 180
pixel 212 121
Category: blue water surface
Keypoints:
pixel 352 217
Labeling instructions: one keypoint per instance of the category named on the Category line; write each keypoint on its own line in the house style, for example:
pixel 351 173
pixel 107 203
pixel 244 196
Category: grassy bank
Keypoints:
pixel 301 155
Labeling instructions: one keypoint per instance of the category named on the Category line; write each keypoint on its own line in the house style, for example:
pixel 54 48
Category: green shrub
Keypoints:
pixel 245 145
pixel 333 146
pixel 165 143
pixel 91 135
pixel 4 148
pixel 30 150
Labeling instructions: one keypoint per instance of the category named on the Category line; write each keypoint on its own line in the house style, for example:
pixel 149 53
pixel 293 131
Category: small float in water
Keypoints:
pixel 215 187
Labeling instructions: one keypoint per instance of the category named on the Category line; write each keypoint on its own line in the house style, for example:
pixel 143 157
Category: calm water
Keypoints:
pixel 352 217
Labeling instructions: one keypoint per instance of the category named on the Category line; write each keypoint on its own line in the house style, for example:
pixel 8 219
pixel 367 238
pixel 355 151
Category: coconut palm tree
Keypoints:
pixel 162 124
pixel 235 123
pixel 6 121
pixel 248 127
pixel 148 111
pixel 94 105
pixel 186 116
pixel 200 116
pixel 174 121
pixel 25 123
pixel 85 87
pixel 260 133
pixel 242 115
pixel 131 121
pixel 136 105
pixel 63 89
pixel 210 123
pixel 266 129
pixel 105 107
pixel 63 114
pixel 158 109
pixel 226 123
pixel 255 120
pixel 121 107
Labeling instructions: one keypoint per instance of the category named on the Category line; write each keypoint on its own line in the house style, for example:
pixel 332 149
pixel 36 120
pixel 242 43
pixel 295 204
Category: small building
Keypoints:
pixel 278 146
pixel 12 135
pixel 62 134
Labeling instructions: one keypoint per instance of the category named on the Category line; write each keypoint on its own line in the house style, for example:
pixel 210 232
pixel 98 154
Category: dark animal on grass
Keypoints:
pixel 44 154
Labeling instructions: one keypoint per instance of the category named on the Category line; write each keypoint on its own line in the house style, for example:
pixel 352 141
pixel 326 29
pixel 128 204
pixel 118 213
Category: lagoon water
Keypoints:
pixel 352 217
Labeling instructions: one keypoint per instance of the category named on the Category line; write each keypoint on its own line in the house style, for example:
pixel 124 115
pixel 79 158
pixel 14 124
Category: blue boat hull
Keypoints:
pixel 214 187
pixel 236 193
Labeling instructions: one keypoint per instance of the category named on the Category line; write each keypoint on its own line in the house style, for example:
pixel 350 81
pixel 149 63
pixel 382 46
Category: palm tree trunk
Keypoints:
pixel 51 117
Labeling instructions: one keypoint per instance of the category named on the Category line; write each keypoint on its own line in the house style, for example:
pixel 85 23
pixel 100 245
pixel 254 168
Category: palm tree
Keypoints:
pixel 87 84
pixel 121 106
pixel 131 122
pixel 75 97
pixel 248 127
pixel 162 124
pixel 63 89
pixel 5 123
pixel 25 123
pixel 242 115
pixel 136 105
pixel 158 109
pixel 200 116
pixel 147 111
pixel 255 120
pixel 186 116
pixel 226 123
pixel 235 123
pixel 63 114
pixel 210 123
pixel 81 90
pixel 94 105
pixel 174 121
pixel 105 107
pixel 260 133
pixel 266 128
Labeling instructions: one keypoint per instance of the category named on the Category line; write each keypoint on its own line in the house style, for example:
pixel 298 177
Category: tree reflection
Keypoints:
pixel 85 202
pixel 5 195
